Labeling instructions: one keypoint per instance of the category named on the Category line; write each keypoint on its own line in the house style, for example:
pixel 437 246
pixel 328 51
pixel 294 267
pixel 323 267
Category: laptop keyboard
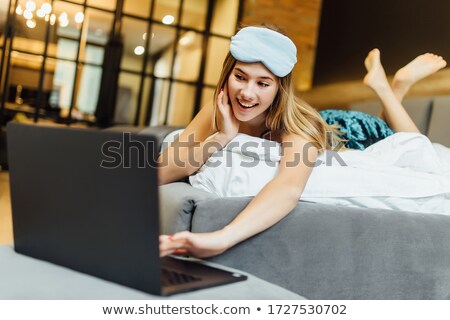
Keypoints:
pixel 172 278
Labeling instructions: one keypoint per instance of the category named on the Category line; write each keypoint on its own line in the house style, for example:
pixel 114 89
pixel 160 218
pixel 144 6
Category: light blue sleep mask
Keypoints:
pixel 255 44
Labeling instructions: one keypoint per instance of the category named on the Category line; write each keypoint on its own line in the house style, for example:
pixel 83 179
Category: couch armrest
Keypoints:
pixel 177 203
pixel 334 252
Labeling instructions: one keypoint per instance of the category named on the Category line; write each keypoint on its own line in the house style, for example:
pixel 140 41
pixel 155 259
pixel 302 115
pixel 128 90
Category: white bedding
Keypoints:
pixel 404 172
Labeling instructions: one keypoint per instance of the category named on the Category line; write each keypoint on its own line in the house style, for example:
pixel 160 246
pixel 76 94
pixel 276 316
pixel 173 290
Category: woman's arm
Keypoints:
pixel 191 150
pixel 269 206
pixel 280 195
pixel 174 162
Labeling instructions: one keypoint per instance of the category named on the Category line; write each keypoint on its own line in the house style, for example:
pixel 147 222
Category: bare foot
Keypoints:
pixel 421 67
pixel 375 77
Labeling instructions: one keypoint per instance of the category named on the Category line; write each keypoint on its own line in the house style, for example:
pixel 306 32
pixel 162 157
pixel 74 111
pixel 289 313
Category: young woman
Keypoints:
pixel 255 96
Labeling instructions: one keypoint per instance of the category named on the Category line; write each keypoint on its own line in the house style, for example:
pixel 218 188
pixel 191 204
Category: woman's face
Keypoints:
pixel 251 89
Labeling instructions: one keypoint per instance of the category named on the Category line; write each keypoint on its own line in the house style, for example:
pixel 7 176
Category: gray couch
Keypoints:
pixel 332 252
pixel 327 252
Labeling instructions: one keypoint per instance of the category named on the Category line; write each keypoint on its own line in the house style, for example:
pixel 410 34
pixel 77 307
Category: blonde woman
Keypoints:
pixel 255 96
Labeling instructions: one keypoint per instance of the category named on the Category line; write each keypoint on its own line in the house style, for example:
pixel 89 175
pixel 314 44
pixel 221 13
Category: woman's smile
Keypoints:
pixel 246 106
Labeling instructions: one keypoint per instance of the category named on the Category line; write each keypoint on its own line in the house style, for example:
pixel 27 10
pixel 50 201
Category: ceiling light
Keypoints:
pixel 63 23
pixel 40 13
pixel 27 14
pixel 63 16
pixel 47 17
pixel 19 10
pixel 31 23
pixel 46 7
pixel 187 39
pixel 52 19
pixel 168 19
pixel 184 41
pixel 139 50
pixel 30 5
pixel 79 17
pixel 144 36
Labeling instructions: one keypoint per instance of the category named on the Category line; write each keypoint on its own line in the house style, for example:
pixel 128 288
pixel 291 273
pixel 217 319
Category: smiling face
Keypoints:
pixel 251 89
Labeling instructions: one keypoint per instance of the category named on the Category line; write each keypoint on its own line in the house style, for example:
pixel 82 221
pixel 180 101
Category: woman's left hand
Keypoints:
pixel 227 122
pixel 200 245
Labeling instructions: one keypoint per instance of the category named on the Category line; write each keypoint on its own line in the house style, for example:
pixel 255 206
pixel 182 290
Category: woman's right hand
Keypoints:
pixel 200 245
pixel 228 125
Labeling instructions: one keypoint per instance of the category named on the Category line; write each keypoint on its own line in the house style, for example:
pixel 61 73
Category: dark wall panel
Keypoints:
pixel 401 29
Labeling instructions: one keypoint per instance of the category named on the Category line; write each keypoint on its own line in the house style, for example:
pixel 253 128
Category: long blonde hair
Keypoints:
pixel 287 114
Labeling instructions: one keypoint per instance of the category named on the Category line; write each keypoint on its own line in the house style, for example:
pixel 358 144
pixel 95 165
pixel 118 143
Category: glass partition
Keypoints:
pixel 134 35
pixel 194 14
pixel 181 104
pixel 145 102
pixel 137 8
pixel 159 102
pixel 108 4
pixel 4 9
pixel 166 11
pixel 126 100
pixel 225 24
pixel 207 96
pixel 88 89
pixel 217 51
pixel 188 58
pixel 98 26
pixel 161 49
pixel 55 66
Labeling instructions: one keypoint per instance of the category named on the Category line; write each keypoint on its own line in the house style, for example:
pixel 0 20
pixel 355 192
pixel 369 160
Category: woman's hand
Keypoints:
pixel 200 245
pixel 227 123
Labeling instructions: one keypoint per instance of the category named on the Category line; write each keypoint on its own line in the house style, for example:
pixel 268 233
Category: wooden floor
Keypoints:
pixel 6 233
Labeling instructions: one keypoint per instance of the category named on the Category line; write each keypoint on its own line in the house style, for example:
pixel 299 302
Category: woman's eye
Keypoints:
pixel 239 77
pixel 263 84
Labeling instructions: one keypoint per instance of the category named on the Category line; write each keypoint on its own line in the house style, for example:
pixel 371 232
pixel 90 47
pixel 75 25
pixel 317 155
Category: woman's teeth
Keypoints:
pixel 248 106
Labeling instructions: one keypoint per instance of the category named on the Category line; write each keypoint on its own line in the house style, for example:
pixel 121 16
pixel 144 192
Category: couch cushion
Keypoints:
pixel 177 202
pixel 331 252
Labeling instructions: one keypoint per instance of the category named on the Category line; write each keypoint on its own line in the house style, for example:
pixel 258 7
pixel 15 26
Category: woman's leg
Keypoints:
pixel 396 116
pixel 422 66
pixel 393 111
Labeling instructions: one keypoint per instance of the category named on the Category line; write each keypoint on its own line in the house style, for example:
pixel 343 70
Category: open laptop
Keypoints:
pixel 88 200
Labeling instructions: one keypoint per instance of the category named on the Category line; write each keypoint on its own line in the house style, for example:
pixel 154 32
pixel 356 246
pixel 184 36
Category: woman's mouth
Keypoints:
pixel 246 106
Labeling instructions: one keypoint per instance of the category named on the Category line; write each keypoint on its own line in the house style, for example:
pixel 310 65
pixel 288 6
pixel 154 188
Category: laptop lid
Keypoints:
pixel 88 200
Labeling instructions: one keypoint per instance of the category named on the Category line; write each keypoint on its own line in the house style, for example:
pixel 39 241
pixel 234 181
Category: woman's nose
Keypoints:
pixel 248 92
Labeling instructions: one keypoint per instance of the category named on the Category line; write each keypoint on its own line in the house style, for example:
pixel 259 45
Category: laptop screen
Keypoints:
pixel 87 199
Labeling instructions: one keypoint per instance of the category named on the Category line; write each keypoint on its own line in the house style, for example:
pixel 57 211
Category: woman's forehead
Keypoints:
pixel 255 69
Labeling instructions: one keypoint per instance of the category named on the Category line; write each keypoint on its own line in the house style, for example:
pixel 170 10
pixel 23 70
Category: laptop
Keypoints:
pixel 87 199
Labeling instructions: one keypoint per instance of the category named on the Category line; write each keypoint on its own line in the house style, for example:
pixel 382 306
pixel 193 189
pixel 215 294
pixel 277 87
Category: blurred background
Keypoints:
pixel 156 62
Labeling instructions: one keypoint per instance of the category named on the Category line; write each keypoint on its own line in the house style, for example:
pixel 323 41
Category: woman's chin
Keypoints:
pixel 243 114
pixel 243 117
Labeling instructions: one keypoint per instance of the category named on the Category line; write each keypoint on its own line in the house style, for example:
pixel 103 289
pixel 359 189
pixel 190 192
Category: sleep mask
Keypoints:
pixel 274 50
